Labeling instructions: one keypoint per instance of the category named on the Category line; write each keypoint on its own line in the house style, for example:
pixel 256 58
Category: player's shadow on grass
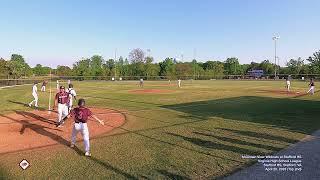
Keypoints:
pixel 213 145
pixel 260 134
pixel 237 141
pixel 170 175
pixel 27 105
pixel 289 113
pixel 109 167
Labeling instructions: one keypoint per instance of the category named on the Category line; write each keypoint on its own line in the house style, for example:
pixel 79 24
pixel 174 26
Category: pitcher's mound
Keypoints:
pixel 32 129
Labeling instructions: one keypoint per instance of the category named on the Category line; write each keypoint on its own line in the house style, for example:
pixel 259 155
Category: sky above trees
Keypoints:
pixel 61 32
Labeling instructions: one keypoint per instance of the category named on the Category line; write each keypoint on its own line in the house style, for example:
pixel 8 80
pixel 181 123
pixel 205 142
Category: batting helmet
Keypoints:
pixel 81 102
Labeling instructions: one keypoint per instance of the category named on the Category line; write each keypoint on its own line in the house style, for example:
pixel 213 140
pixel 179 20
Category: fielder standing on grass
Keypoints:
pixel 61 101
pixel 288 84
pixel 72 95
pixel 35 95
pixel 312 87
pixel 81 115
pixel 179 83
pixel 141 82
pixel 43 87
pixel 58 85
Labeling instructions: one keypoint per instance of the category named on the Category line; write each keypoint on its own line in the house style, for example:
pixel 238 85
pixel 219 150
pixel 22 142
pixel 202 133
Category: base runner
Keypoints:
pixel 72 95
pixel 312 87
pixel 61 101
pixel 81 114
pixel 35 95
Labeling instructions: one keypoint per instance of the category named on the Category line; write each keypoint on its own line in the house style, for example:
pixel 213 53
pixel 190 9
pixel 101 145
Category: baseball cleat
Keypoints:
pixel 87 154
pixel 29 105
pixel 72 145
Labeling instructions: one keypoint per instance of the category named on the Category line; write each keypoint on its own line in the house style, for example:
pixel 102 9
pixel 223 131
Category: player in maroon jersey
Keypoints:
pixel 81 115
pixel 61 101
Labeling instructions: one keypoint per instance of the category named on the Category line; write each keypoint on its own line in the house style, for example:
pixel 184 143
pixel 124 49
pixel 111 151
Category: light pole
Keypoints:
pixel 275 38
pixel 115 64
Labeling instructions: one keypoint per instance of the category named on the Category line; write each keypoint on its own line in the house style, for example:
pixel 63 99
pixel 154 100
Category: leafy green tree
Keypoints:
pixel 167 68
pixel 96 63
pixel 17 66
pixel 63 71
pixel 3 68
pixel 267 67
pixel 150 68
pixel 184 69
pixel 295 66
pixel 232 66
pixel 197 69
pixel 82 67
pixel 315 62
pixel 40 70
pixel 213 69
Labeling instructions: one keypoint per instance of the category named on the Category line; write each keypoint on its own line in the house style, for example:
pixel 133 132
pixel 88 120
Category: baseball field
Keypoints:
pixel 160 131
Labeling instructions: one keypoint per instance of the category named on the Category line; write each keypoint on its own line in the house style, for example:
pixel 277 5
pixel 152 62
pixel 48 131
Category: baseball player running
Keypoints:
pixel 81 115
pixel 35 95
pixel 312 88
pixel 72 95
pixel 61 100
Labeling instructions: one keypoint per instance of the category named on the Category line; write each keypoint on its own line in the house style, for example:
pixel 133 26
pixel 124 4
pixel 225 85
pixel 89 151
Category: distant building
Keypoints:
pixel 256 73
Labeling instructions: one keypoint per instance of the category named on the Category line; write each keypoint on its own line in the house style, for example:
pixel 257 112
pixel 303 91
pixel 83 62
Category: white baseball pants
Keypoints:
pixel 311 90
pixel 62 111
pixel 83 128
pixel 35 100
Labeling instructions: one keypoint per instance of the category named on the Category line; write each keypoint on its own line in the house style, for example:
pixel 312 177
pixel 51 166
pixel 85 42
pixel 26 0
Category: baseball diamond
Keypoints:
pixel 166 129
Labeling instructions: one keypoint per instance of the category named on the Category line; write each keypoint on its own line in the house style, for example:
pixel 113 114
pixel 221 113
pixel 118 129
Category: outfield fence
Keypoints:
pixel 40 79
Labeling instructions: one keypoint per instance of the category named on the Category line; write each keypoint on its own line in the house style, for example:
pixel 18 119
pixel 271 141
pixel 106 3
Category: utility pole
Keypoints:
pixel 275 38
pixel 115 64
pixel 194 65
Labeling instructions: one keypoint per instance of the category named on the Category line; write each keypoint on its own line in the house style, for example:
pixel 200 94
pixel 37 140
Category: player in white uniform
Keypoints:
pixel 35 95
pixel 179 83
pixel 312 87
pixel 288 84
pixel 43 87
pixel 58 87
pixel 72 95
pixel 141 82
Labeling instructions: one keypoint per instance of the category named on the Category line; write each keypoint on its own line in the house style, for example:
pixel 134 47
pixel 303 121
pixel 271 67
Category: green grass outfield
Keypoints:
pixel 198 131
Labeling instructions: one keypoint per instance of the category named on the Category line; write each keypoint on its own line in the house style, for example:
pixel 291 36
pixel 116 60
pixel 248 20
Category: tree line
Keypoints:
pixel 139 65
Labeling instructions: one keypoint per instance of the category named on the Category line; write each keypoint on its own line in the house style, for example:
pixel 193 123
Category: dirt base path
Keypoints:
pixel 32 129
